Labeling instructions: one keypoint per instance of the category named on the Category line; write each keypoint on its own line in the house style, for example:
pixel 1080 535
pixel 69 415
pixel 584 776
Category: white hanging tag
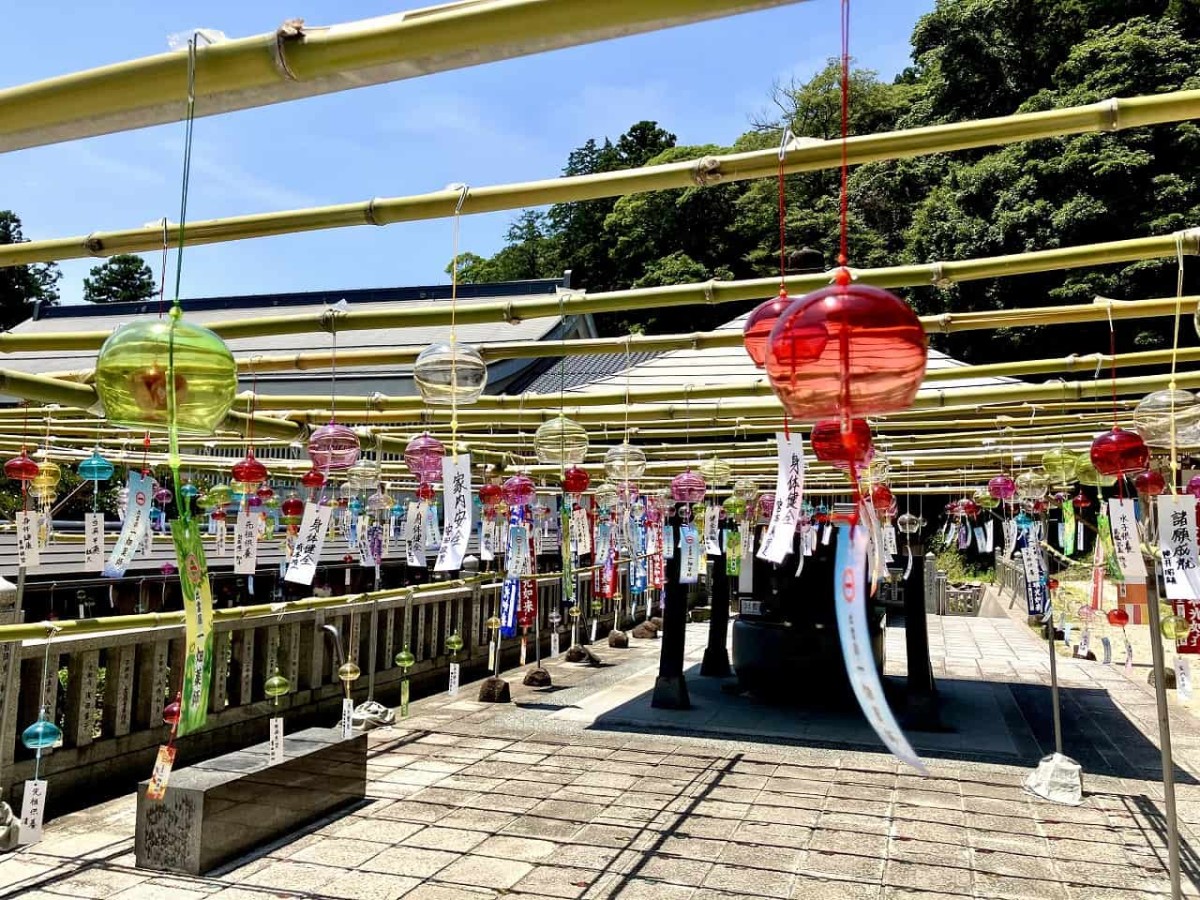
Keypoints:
pixel 221 536
pixel 826 535
pixel 1085 642
pixel 93 542
pixel 789 495
pixel 492 655
pixel 455 669
pixel 889 541
pixel 553 644
pixel 594 630
pixel 33 810
pixel 1106 644
pixel 908 565
pixel 1128 655
pixel 1183 677
pixel 524 650
pixel 161 773
pixel 275 755
pixel 347 717
pixel 28 550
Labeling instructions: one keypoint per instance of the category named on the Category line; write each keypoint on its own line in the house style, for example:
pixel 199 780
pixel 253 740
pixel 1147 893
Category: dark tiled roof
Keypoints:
pixel 583 370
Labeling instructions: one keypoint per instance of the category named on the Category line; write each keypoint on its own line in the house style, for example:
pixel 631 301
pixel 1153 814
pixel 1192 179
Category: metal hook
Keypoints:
pixel 785 139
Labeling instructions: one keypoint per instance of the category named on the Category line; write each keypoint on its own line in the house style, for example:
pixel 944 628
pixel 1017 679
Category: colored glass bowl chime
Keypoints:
pixel 131 375
pixel 423 455
pixel 333 447
pixel 760 323
pixel 95 468
pixel 519 490
pixel 846 350
pixel 1119 452
pixel 830 443
pixel 575 480
pixel 688 487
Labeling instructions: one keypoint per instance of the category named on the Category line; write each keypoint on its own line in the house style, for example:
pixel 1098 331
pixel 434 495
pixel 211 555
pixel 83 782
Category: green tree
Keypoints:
pixel 125 278
pixel 23 286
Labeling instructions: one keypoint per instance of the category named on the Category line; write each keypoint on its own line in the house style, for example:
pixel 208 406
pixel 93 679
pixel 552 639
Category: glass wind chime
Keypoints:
pixel 836 356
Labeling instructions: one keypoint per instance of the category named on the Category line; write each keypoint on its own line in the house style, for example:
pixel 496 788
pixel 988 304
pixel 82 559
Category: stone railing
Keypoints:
pixel 118 681
pixel 1010 577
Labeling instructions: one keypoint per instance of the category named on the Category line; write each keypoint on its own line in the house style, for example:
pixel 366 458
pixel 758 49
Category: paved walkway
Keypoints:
pixel 582 791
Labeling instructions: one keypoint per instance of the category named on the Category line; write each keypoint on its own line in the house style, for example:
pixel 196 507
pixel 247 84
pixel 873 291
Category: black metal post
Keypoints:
pixel 922 691
pixel 670 689
pixel 716 654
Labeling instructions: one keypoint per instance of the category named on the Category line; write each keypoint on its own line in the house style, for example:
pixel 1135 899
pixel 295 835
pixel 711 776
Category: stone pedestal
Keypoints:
pixel 218 810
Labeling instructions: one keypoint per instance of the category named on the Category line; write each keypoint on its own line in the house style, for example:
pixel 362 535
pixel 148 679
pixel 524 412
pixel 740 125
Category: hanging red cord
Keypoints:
pixel 843 253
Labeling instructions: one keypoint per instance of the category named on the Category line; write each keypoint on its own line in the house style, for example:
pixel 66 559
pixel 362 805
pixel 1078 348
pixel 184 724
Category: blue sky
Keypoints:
pixel 510 121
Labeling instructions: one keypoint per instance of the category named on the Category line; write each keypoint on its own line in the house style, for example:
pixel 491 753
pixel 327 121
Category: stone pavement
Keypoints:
pixel 578 791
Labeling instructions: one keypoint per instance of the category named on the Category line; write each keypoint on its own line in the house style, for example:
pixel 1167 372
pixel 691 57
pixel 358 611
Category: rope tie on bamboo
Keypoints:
pixel 369 212
pixel 327 321
pixel 709 288
pixel 944 321
pixel 706 171
pixel 938 277
pixel 1112 107
pixel 291 30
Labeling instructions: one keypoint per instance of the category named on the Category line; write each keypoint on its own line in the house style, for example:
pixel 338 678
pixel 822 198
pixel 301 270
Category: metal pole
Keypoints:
pixel 1164 736
pixel 1058 747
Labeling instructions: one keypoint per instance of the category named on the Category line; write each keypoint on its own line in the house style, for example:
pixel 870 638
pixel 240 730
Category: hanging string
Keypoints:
pixel 43 707
pixel 1172 385
pixel 162 269
pixel 1112 355
pixel 462 198
pixel 176 309
pixel 843 253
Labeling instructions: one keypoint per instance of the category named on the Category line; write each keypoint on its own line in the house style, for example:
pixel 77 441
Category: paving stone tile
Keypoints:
pixel 435 837
pixel 558 881
pixel 673 870
pixel 485 871
pixel 343 852
pixel 369 886
pixel 924 876
pixel 643 889
pixel 1016 888
pixel 489 820
pixel 781 859
pixel 807 888
pixel 539 827
pixel 846 865
pixel 525 849
pixel 294 876
pixel 757 882
pixel 415 862
pixel 94 883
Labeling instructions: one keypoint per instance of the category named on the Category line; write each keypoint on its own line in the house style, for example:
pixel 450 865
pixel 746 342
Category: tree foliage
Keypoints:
pixel 23 286
pixel 971 59
pixel 125 278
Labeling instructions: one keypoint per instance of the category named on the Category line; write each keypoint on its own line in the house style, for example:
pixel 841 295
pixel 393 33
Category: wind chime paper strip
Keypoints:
pixel 1110 555
pixel 456 478
pixel 1009 527
pixel 889 541
pixel 1122 518
pixel 433 531
pixel 28 551
pixel 789 496
pixel 309 540
pixel 1035 579
pixel 1177 540
pixel 517 561
pixel 689 561
pixel 245 543
pixel 487 540
pixel 198 618
pixel 1067 529
pixel 135 526
pixel 850 573
pixel 746 576
pixel 989 535
pixel 414 534
pixel 581 533
pixel 712 532
pixel 93 542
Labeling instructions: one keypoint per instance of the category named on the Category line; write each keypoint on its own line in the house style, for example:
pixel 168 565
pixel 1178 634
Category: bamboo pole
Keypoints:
pixel 718 292
pixel 295 62
pixel 801 156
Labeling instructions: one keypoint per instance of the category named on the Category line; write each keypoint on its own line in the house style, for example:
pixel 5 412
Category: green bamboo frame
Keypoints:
pixel 297 61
